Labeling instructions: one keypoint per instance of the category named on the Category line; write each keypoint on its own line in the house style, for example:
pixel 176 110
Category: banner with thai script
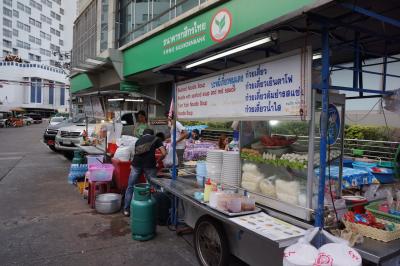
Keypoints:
pixel 276 88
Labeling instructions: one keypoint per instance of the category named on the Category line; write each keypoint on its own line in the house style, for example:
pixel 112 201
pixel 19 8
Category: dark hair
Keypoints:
pixel 148 131
pixel 143 113
pixel 221 141
pixel 161 136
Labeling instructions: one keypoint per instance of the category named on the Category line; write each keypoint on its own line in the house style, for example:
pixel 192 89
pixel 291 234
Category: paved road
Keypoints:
pixel 44 221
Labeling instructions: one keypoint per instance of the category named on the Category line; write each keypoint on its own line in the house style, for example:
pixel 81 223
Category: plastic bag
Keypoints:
pixel 168 160
pixel 123 153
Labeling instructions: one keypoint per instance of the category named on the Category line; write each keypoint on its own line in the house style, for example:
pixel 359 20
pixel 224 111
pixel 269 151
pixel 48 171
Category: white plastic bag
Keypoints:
pixel 123 153
pixel 168 160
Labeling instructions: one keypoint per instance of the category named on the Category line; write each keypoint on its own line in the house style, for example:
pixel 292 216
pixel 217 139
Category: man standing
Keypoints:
pixel 144 161
pixel 181 135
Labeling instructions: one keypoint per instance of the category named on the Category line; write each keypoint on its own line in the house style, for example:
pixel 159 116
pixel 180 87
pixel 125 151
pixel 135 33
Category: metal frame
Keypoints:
pixel 357 82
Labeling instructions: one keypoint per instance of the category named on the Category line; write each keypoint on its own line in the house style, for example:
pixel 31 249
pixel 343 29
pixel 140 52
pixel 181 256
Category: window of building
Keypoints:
pixel 7 2
pixel 58 17
pixel 24 45
pixel 7 43
pixel 7 22
pixel 52 63
pixel 16 13
pixel 51 93
pixel 54 47
pixel 23 26
pixel 15 51
pixel 45 19
pixel 61 42
pixel 58 33
pixel 47 3
pixel 7 33
pixel 31 56
pixel 45 35
pixel 7 12
pixel 33 39
pixel 35 4
pixel 61 27
pixel 61 11
pixel 15 32
pixel 57 1
pixel 53 14
pixel 45 52
pixel 20 6
pixel 62 96
pixel 5 53
pixel 36 90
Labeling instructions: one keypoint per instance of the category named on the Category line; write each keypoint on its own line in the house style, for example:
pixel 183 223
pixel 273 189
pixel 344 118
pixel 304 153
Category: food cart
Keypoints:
pixel 109 107
pixel 259 93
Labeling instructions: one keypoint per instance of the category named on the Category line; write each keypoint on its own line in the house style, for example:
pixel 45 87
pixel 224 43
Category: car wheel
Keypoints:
pixel 211 244
pixel 53 148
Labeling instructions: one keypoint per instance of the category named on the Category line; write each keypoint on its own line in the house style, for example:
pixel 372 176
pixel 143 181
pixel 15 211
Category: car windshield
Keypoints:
pixel 57 119
pixel 78 119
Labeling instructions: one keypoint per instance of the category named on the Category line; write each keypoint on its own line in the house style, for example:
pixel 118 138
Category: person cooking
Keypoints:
pixel 195 136
pixel 181 135
pixel 141 124
pixel 144 161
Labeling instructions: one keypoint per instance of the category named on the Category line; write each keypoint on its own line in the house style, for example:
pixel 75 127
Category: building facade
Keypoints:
pixel 104 29
pixel 36 42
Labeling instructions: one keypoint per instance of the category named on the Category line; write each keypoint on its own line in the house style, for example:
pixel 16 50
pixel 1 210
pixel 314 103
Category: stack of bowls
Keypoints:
pixel 201 172
pixel 231 169
pixel 214 165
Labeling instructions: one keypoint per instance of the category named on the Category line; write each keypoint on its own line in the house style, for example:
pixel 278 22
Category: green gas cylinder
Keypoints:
pixel 143 213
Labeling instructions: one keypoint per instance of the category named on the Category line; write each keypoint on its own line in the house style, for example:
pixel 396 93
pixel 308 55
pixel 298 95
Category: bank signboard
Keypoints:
pixel 277 88
pixel 211 27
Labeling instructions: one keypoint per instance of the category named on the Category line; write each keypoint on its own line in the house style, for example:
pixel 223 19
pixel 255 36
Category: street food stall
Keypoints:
pixel 110 107
pixel 296 183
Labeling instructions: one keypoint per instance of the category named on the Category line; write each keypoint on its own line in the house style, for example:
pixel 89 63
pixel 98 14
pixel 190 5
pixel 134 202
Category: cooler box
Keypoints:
pixel 122 170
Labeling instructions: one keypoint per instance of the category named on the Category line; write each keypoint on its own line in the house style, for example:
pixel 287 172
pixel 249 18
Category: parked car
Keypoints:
pixel 57 120
pixel 37 118
pixel 26 119
pixel 50 133
pixel 67 137
pixel 4 119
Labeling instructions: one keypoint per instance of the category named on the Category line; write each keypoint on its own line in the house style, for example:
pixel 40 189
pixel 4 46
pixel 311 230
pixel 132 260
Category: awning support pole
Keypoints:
pixel 174 168
pixel 319 219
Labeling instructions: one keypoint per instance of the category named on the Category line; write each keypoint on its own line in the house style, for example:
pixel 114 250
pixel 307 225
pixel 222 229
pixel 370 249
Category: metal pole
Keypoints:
pixel 319 219
pixel 174 168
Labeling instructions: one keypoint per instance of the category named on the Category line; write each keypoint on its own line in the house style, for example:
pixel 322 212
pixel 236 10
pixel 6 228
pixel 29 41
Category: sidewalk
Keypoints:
pixel 45 221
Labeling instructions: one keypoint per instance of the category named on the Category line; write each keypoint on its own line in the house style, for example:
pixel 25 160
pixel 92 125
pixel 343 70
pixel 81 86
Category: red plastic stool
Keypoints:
pixel 93 187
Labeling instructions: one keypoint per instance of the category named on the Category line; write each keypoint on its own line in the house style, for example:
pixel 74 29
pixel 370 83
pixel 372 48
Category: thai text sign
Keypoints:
pixel 278 88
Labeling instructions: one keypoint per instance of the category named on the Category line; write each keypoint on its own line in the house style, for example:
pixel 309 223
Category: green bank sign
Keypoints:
pixel 211 27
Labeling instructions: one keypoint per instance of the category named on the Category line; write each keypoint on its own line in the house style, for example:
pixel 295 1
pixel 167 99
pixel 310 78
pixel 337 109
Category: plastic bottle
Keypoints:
pixel 207 189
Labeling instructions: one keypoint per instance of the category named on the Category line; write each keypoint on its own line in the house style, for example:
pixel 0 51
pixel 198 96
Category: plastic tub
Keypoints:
pixel 363 165
pixel 102 172
pixel 94 160
pixel 384 175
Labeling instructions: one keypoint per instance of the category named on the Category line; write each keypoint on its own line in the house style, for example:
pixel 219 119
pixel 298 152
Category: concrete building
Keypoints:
pixel 105 28
pixel 39 32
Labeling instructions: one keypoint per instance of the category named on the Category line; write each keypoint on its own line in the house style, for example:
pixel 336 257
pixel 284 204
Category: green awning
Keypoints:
pixel 80 82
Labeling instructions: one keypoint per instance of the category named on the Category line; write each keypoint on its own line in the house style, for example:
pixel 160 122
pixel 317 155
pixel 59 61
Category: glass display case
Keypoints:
pixel 280 159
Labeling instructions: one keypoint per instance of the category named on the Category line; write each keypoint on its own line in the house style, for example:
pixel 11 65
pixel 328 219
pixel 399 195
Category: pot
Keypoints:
pixel 108 203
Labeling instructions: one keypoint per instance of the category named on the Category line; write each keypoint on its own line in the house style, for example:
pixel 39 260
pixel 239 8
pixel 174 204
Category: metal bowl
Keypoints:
pixel 108 203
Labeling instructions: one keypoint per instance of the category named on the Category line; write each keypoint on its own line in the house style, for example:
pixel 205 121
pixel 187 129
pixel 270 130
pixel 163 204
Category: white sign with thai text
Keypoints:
pixel 276 88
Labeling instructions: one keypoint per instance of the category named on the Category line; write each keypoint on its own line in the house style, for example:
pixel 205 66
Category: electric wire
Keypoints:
pixel 365 116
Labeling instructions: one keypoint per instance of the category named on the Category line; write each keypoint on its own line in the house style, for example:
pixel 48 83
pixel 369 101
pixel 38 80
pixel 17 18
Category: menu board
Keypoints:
pixel 268 226
pixel 277 87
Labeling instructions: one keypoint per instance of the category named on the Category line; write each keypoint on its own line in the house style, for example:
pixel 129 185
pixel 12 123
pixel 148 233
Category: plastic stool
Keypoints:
pixel 93 187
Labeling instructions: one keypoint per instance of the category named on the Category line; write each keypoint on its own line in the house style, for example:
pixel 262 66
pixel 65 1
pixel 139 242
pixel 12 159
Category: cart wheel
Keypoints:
pixel 210 242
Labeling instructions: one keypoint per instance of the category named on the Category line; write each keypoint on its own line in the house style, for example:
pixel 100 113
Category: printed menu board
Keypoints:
pixel 276 87
pixel 268 226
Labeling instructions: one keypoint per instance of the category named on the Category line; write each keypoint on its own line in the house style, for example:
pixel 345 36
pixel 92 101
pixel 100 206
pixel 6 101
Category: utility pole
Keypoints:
pixel 66 67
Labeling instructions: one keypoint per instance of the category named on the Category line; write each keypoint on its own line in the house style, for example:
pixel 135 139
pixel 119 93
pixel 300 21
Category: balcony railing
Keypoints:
pixel 33 65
